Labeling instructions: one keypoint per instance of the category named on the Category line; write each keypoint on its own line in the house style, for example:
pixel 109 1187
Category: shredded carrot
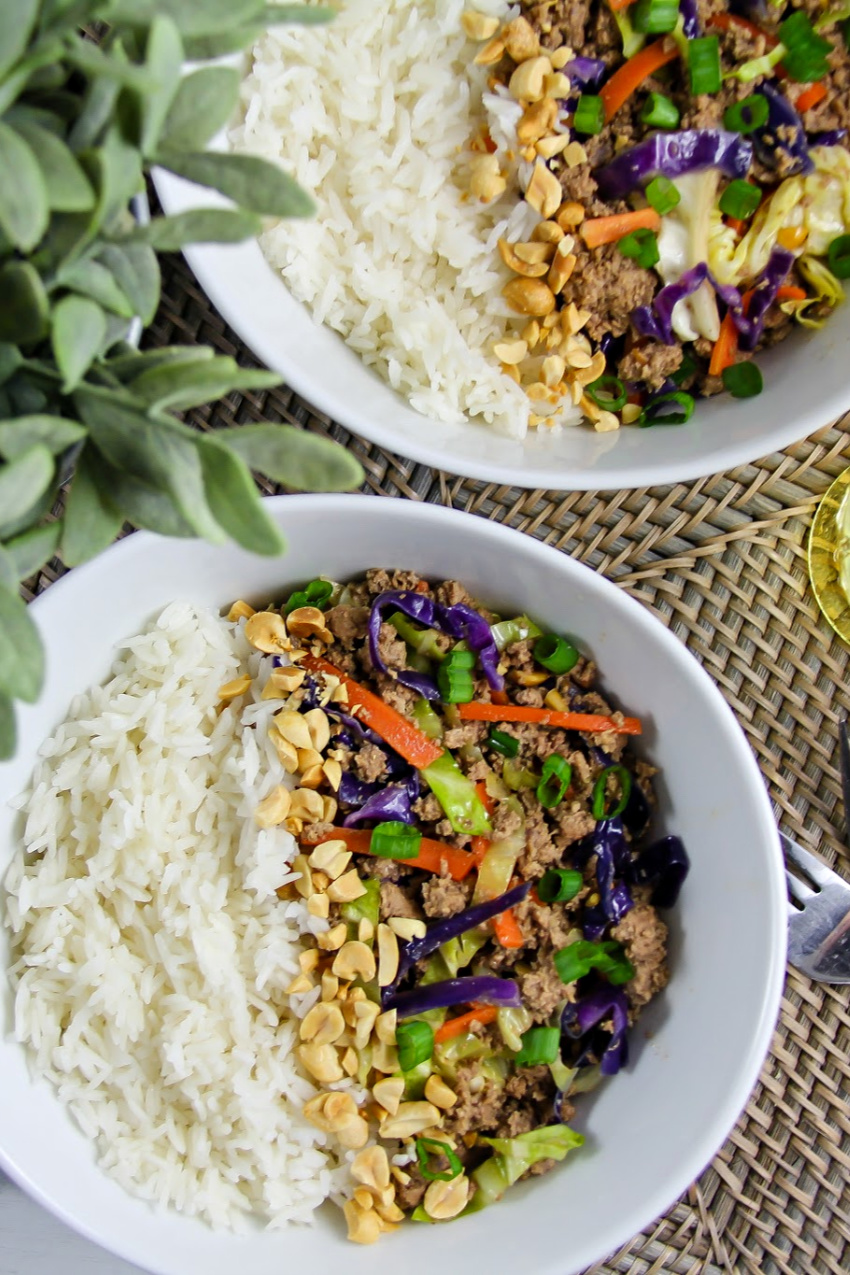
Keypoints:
pixel 484 797
pixel 725 347
pixel 632 74
pixel 790 293
pixel 616 5
pixel 506 930
pixel 592 722
pixel 735 223
pixel 601 230
pixel 499 697
pixel 792 237
pixel 457 1026
pixel 407 739
pixel 433 856
pixel 810 97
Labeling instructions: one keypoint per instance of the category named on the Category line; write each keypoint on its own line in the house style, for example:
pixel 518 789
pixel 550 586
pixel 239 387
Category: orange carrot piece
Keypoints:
pixel 506 930
pixel 457 1026
pixel 432 856
pixel 407 739
pixel 592 722
pixel 601 230
pixel 735 223
pixel 484 797
pixel 810 97
pixel 725 347
pixel 790 293
pixel 617 5
pixel 632 74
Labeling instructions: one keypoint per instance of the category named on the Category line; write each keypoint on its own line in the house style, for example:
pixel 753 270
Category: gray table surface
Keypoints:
pixel 34 1242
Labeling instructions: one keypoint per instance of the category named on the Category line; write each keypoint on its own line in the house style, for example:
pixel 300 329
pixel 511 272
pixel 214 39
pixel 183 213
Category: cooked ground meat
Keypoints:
pixel 347 623
pixel 399 900
pixel 644 936
pixel 542 991
pixel 610 286
pixel 443 897
pixel 370 763
pixel 409 1194
pixel 479 1102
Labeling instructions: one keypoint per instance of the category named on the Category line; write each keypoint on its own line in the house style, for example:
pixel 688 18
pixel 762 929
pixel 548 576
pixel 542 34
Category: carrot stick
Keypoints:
pixel 735 223
pixel 407 739
pixel 810 97
pixel 632 74
pixel 592 722
pixel 725 347
pixel 601 230
pixel 790 293
pixel 616 5
pixel 431 857
pixel 506 929
pixel 457 1026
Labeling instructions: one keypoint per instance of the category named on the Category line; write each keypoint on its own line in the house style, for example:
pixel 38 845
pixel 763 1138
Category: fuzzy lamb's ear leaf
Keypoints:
pixel 235 501
pixel 200 17
pixel 203 103
pixel 24 211
pixel 78 332
pixel 68 188
pixel 24 304
pixel 16 25
pixel 163 60
pixel 92 519
pixel 249 181
pixel 23 483
pixel 8 733
pixel 295 458
pixel 92 279
pixel 131 363
pixel 21 653
pixel 29 552
pixel 136 270
pixel 7 570
pixel 56 433
pixel 201 225
pixel 179 386
pixel 10 361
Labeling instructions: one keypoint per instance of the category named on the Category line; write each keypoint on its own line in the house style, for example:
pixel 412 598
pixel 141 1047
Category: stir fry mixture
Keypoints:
pixel 474 848
pixel 684 169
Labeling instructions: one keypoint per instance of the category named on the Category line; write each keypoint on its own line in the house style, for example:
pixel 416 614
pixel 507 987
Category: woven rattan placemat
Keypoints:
pixel 722 563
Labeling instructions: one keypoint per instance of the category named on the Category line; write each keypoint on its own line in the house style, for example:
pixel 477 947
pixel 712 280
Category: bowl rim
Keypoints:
pixel 703 1148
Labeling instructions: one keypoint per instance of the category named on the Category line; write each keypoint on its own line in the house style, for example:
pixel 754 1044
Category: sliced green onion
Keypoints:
pixel 838 257
pixel 608 392
pixel 590 115
pixel 805 51
pixel 655 17
pixel 659 112
pixel 662 195
pixel 459 658
pixel 579 958
pixel 539 1045
pixel 555 653
pixel 599 800
pixel 394 840
pixel 501 742
pixel 743 380
pixel 748 115
pixel 426 1147
pixel 559 885
pixel 686 368
pixel 554 781
pixel 414 1042
pixel 704 64
pixel 756 67
pixel 312 595
pixel 656 413
pixel 454 681
pixel 740 199
pixel 641 246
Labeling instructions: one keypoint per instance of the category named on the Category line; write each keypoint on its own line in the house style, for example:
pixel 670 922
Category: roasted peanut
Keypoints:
pixel 438 1092
pixel 286 752
pixel 309 622
pixel 355 960
pixel 332 939
pixel 521 40
pixel 407 928
pixel 388 1093
pixel 319 727
pixel 323 1024
pixel 529 296
pixel 478 26
pixel 232 690
pixel 321 1062
pixel 410 1119
pixel 266 631
pixel 240 611
pixel 543 192
pixel 273 808
pixel 537 120
pixel 492 53
pixel 385 1026
pixel 528 80
pixel 486 181
pixel 346 888
pixel 372 1168
pixel 448 1199
pixel 364 1225
pixel 387 955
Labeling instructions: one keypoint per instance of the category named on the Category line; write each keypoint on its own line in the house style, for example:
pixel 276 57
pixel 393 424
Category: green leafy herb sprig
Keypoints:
pixel 81 122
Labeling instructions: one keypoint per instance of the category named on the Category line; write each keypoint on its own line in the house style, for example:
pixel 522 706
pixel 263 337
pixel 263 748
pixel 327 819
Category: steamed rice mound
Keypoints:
pixel 152 952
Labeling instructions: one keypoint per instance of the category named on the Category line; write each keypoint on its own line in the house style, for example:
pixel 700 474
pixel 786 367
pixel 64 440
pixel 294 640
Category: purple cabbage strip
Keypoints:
pixel 458 621
pixel 585 73
pixel 453 926
pixel 656 319
pixel 353 791
pixel 673 154
pixel 663 865
pixel 794 142
pixel 485 988
pixel 613 858
pixel 764 295
pixel 391 804
pixel 691 27
pixel 580 1018
pixel 829 137
pixel 354 731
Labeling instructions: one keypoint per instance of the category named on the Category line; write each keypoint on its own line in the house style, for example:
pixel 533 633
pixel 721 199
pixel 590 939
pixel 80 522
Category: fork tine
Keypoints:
pixel 814 868
pixel 797 888
pixel 844 750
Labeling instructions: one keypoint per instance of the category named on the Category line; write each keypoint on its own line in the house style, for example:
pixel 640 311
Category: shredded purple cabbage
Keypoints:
pixel 585 1014
pixel 459 621
pixel 390 804
pixel 485 988
pixel 690 19
pixel 751 325
pixel 353 791
pixel 613 858
pixel 793 141
pixel 673 154
pixel 452 926
pixel 354 732
pixel 656 319
pixel 663 865
pixel 829 137
pixel 585 73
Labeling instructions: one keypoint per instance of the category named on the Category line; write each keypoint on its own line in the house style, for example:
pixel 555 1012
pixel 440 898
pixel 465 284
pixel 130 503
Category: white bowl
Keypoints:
pixel 805 386
pixel 697 1051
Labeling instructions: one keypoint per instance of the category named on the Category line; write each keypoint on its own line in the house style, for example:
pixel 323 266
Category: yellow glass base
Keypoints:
pixel 829 555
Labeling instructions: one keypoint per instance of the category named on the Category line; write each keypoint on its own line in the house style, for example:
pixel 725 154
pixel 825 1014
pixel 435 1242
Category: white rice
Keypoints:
pixel 152 951
pixel 373 114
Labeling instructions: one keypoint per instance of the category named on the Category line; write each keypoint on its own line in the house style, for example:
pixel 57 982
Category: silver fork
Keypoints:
pixel 819 917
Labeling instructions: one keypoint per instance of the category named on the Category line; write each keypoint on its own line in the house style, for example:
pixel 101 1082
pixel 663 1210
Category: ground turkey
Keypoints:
pixel 441 896
pixel 644 936
pixel 397 901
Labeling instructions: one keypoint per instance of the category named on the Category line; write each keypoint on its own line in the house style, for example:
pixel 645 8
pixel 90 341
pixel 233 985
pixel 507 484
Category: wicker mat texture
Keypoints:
pixel 722 563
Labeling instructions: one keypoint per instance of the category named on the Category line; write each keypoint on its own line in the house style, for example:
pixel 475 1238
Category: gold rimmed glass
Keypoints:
pixel 829 555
